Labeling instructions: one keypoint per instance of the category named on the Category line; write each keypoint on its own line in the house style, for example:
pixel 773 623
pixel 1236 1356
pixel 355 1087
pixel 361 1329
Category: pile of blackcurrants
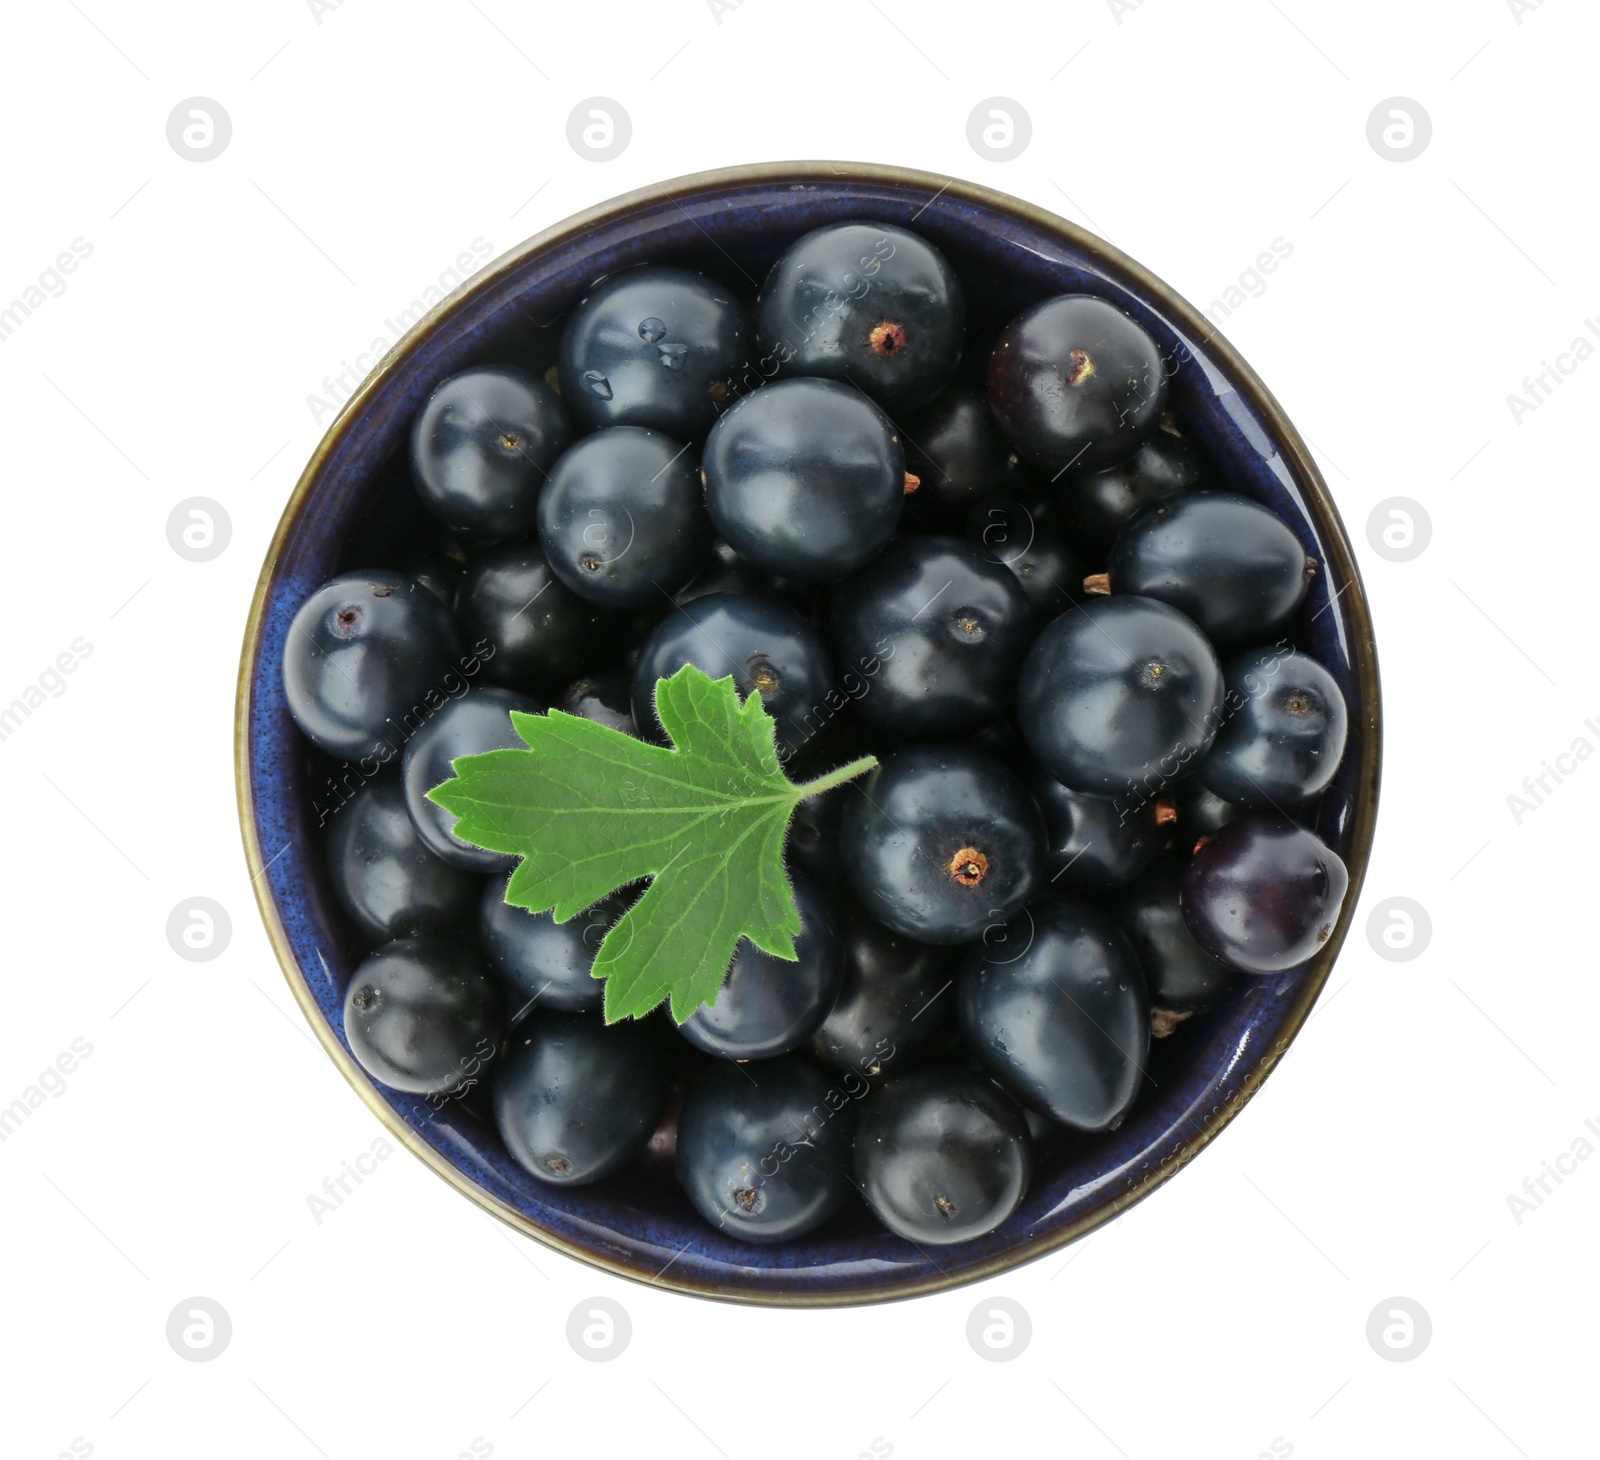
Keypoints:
pixel 1071 648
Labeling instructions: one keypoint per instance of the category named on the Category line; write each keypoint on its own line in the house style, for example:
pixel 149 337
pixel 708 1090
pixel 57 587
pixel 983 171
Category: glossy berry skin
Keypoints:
pixel 895 1006
pixel 805 478
pixel 1284 735
pixel 764 1148
pixel 604 698
pixel 769 1006
pixel 1094 842
pixel 383 873
pixel 1076 384
pixel 1264 893
pixel 532 629
pixel 481 448
pixel 621 521
pixel 1182 977
pixel 940 842
pixel 1119 695
pixel 1227 562
pixel 957 452
pixel 477 722
pixel 765 645
pixel 865 302
pixel 1200 811
pixel 576 1100
pixel 726 572
pixel 363 653
pixel 423 1015
pixel 1065 1024
pixel 942 1155
pixel 543 964
pixel 655 346
pixel 1036 546
pixel 1102 503
pixel 946 627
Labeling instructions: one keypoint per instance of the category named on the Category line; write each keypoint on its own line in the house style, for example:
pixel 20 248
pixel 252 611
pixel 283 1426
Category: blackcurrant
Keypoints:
pixel 423 1015
pixel 1264 893
pixel 654 346
pixel 1098 842
pixel 604 698
pixel 766 646
pixel 385 876
pixel 361 659
pixel 958 455
pixel 941 842
pixel 527 625
pixel 1227 562
pixel 621 520
pixel 763 1149
pixel 1076 384
pixel 937 631
pixel 1064 1024
pixel 481 448
pixel 942 1155
pixel 1182 977
pixel 575 1100
pixel 544 964
pixel 1102 503
pixel 1284 733
pixel 1119 695
pixel 768 1006
pixel 864 302
pixel 895 1005
pixel 805 478
pixel 477 722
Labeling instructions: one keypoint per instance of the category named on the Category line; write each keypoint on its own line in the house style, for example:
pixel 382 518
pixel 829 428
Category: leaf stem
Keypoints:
pixel 845 773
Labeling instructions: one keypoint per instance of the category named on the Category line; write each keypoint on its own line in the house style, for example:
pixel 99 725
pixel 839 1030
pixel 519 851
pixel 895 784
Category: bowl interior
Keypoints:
pixel 354 508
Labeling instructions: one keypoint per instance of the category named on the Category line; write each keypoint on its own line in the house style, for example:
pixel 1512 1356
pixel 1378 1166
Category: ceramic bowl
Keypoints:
pixel 732 224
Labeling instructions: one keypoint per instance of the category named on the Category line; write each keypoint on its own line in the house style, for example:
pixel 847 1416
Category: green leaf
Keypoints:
pixel 590 809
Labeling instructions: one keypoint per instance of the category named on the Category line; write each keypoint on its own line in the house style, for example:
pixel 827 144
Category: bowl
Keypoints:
pixel 732 224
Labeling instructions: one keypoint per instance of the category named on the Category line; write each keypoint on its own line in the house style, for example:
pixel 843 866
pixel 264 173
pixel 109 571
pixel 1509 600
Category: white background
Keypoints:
pixel 371 146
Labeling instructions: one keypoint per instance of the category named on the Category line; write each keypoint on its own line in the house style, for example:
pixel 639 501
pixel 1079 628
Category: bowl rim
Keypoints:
pixel 1367 741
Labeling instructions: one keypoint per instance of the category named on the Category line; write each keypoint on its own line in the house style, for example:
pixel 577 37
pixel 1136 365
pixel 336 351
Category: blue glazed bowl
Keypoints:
pixel 733 224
